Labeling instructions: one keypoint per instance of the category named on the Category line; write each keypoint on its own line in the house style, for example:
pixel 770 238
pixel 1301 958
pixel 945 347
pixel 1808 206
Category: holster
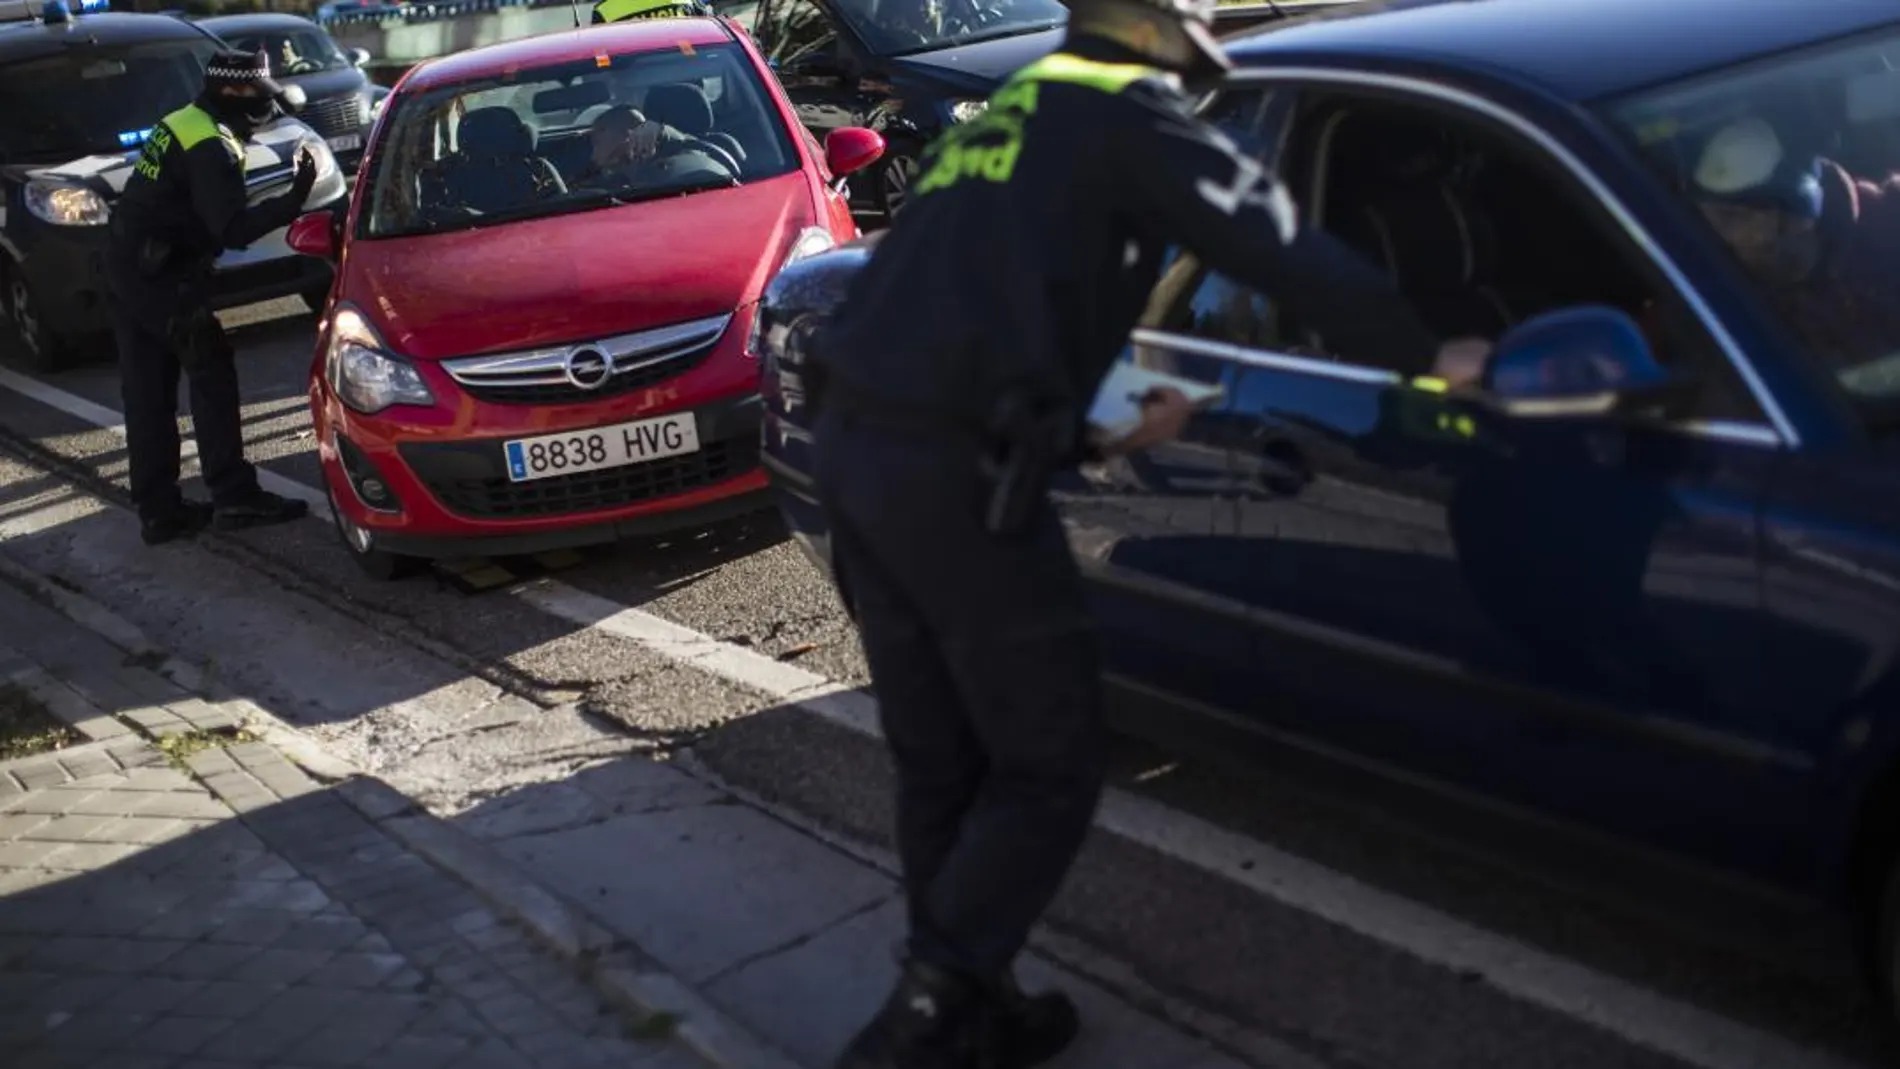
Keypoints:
pixel 1030 442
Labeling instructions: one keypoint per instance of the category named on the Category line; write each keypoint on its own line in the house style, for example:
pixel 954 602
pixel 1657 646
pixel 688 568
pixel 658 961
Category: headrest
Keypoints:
pixel 1745 162
pixel 1369 147
pixel 495 132
pixel 681 106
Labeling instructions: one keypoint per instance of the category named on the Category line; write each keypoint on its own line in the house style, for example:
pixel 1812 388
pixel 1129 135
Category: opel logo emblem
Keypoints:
pixel 588 368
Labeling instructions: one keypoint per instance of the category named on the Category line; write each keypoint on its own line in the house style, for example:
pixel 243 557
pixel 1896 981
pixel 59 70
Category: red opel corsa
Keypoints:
pixel 545 280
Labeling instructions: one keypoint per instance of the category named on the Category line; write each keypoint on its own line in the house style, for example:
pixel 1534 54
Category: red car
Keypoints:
pixel 537 337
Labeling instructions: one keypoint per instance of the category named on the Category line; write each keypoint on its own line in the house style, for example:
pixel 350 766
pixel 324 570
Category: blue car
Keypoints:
pixel 1646 580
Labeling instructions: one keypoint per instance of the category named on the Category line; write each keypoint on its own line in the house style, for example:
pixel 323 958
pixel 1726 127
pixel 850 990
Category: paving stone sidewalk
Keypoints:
pixel 245 917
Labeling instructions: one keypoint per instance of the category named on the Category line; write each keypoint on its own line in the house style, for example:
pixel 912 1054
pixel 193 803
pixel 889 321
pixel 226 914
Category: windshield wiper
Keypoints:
pixel 533 210
pixel 636 196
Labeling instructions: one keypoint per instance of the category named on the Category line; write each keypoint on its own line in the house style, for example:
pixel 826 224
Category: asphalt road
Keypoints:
pixel 1595 958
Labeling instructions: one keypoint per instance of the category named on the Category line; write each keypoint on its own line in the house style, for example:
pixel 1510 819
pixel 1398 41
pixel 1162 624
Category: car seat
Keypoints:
pixel 684 107
pixel 1392 187
pixel 495 167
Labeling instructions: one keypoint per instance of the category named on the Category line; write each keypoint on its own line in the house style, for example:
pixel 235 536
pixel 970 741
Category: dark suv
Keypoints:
pixel 911 68
pixel 94 86
pixel 904 68
pixel 341 100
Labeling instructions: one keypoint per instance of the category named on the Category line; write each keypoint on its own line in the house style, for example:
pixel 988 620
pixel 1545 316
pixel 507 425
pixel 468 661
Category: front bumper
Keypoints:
pixel 453 497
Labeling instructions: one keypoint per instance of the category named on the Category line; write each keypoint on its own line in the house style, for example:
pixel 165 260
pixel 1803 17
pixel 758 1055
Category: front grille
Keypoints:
pixel 541 376
pixel 444 469
pixel 334 116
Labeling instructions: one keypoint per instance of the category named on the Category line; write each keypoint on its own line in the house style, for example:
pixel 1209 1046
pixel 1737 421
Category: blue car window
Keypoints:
pixel 1794 165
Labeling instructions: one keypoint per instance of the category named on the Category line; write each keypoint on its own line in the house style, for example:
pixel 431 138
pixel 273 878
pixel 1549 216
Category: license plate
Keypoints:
pixel 346 143
pixel 601 447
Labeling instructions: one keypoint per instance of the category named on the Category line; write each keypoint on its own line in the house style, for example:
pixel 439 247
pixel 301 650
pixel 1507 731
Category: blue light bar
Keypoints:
pixel 134 137
pixel 93 7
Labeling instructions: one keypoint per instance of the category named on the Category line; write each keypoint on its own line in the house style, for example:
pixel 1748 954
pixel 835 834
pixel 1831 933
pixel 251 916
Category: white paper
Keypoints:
pixel 1116 410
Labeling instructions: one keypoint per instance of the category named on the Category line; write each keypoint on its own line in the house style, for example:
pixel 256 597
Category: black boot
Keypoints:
pixel 1021 1030
pixel 184 520
pixel 930 1021
pixel 260 509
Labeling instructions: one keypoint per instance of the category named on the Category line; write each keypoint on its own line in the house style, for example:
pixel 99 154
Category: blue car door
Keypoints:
pixel 1155 532
pixel 1560 613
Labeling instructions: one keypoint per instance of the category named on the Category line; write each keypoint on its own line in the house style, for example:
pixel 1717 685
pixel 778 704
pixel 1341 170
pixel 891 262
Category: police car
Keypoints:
pixel 93 85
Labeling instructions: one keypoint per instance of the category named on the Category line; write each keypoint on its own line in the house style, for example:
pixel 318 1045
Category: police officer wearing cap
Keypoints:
pixel 627 10
pixel 184 204
pixel 954 382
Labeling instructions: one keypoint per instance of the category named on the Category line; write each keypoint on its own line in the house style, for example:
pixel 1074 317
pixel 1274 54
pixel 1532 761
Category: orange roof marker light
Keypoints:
pixel 686 47
pixel 603 61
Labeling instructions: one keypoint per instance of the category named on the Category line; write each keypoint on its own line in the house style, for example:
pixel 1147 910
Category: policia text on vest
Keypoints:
pixel 628 10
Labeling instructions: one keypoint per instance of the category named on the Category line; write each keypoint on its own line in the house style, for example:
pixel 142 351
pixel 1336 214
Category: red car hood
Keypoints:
pixel 573 277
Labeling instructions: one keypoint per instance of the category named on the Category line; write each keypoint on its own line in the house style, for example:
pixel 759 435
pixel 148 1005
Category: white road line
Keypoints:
pixel 1632 1013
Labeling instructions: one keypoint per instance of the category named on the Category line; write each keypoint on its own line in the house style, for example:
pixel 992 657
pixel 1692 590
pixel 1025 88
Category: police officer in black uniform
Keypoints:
pixel 954 381
pixel 184 205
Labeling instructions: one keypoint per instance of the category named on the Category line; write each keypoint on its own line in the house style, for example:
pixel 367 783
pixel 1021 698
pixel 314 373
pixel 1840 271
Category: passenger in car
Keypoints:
pixel 623 141
pixel 1825 243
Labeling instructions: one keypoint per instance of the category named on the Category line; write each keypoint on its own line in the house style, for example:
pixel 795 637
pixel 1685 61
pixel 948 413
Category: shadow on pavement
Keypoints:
pixel 141 923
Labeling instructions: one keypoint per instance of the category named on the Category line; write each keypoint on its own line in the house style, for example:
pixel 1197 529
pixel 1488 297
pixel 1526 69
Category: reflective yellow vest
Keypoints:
pixel 624 10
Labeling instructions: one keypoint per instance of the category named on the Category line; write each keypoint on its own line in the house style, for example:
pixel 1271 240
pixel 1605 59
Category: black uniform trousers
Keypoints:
pixel 151 358
pixel 986 673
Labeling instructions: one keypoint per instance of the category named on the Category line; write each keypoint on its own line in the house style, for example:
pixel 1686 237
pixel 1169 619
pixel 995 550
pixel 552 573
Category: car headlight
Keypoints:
pixel 810 242
pixel 66 204
pixel 368 378
pixel 965 110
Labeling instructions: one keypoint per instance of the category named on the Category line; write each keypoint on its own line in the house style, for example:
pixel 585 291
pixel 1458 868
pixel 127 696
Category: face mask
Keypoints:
pixel 242 114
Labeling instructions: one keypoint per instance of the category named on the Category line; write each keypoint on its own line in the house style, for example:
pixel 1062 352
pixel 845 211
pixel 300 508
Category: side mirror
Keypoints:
pixel 1590 360
pixel 851 149
pixel 359 57
pixel 314 234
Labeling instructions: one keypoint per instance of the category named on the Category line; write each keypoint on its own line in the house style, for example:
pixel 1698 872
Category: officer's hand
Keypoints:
pixel 1461 361
pixel 1164 415
pixel 305 177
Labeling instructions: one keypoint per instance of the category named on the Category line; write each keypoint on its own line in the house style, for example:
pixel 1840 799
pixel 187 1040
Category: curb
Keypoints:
pixel 617 969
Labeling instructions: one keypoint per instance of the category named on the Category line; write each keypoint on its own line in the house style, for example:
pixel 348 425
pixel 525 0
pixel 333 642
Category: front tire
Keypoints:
pixel 894 177
pixel 38 347
pixel 360 544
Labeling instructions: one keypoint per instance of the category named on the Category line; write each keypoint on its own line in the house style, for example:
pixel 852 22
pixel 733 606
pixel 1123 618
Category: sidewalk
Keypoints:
pixel 242 916
pixel 647 874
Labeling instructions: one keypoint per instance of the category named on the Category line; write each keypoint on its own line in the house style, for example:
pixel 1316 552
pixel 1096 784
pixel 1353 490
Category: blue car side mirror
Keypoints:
pixel 1584 361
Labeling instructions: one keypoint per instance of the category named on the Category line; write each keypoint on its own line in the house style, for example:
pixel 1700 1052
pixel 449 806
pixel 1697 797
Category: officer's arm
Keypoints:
pixel 218 196
pixel 1205 195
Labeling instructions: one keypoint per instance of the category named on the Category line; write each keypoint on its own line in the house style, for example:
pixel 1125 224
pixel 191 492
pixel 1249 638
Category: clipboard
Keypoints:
pixel 1116 410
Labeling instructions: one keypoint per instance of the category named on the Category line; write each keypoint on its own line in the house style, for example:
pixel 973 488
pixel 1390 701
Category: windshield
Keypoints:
pixel 292 51
pixel 107 97
pixel 573 138
pixel 901 27
pixel 1794 163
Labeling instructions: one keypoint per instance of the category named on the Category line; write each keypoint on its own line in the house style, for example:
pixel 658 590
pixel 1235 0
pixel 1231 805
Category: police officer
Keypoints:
pixel 184 204
pixel 954 381
pixel 625 10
